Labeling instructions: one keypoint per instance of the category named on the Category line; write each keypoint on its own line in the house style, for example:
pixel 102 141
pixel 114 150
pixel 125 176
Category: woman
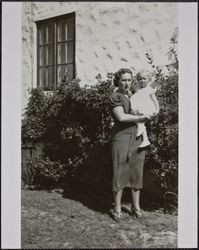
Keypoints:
pixel 128 160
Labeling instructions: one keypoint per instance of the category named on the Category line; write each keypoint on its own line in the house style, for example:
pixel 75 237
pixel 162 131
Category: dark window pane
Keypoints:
pixel 42 56
pixel 50 77
pixel 61 70
pixel 61 31
pixel 70 29
pixel 49 54
pixel 42 34
pixel 42 77
pixel 61 53
pixel 65 53
pixel 50 33
pixel 70 53
pixel 70 71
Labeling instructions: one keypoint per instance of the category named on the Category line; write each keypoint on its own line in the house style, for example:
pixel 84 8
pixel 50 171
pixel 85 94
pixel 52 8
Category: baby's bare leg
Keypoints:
pixel 140 128
pixel 146 141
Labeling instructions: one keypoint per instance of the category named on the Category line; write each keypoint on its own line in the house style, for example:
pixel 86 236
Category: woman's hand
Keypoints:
pixel 136 112
pixel 153 114
pixel 143 118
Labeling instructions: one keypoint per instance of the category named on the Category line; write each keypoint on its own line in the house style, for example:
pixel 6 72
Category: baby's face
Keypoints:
pixel 143 80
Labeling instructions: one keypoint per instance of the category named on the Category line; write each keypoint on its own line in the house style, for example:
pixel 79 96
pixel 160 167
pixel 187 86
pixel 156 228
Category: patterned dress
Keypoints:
pixel 127 157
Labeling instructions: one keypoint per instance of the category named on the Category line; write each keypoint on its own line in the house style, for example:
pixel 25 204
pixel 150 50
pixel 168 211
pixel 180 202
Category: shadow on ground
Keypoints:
pixel 93 188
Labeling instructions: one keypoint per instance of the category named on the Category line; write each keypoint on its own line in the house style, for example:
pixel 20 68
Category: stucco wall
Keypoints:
pixel 109 35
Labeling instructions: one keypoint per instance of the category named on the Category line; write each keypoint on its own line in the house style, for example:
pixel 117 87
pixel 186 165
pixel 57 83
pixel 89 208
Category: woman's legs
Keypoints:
pixel 136 198
pixel 117 199
pixel 135 208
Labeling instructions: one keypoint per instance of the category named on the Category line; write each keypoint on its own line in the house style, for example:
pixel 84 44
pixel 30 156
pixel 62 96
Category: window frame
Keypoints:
pixel 55 20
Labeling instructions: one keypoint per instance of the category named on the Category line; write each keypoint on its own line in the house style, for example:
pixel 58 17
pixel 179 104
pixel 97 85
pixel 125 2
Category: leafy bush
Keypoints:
pixel 163 134
pixel 72 123
pixel 163 129
pixel 43 173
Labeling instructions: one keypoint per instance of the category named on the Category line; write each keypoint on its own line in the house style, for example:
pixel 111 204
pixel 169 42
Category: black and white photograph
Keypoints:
pixel 100 126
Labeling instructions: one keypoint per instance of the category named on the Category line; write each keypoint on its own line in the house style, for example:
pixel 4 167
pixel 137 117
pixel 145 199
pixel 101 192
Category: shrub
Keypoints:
pixel 163 129
pixel 42 173
pixel 73 123
pixel 163 134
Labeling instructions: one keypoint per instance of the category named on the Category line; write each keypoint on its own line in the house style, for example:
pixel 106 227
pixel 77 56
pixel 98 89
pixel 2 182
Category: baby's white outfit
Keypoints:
pixel 142 102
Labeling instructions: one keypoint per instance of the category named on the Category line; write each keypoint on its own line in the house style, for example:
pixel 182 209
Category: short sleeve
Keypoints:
pixel 115 100
pixel 151 90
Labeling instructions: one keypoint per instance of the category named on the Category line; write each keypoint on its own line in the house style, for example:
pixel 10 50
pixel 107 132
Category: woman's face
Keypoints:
pixel 125 82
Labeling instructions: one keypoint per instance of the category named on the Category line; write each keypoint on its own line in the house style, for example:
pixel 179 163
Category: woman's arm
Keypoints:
pixel 123 117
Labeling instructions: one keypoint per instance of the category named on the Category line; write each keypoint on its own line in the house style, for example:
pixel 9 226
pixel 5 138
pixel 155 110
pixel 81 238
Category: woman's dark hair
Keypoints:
pixel 118 74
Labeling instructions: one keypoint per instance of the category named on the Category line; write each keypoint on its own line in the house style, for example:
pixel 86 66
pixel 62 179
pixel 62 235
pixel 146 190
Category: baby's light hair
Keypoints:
pixel 144 71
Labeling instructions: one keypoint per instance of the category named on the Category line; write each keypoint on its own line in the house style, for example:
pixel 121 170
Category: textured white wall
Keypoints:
pixel 109 35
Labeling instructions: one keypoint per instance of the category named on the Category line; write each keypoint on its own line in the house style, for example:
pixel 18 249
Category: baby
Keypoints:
pixel 144 101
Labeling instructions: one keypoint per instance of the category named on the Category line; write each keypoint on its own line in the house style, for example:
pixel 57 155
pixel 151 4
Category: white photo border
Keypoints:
pixel 11 125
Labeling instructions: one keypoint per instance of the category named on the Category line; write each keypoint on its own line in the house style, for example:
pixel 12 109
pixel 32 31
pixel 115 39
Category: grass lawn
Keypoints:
pixel 51 221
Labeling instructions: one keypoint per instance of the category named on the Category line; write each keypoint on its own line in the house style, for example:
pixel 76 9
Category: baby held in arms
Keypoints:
pixel 144 101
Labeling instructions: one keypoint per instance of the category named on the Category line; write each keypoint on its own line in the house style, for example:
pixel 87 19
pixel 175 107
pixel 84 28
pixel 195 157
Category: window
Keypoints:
pixel 55 50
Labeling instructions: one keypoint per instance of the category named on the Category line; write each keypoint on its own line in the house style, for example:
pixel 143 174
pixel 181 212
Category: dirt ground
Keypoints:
pixel 51 221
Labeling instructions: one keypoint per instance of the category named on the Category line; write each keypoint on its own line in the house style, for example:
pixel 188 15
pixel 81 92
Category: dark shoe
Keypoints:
pixel 115 215
pixel 136 212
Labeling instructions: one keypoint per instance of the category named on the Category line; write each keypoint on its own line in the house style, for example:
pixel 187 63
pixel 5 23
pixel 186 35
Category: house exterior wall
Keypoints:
pixel 109 35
